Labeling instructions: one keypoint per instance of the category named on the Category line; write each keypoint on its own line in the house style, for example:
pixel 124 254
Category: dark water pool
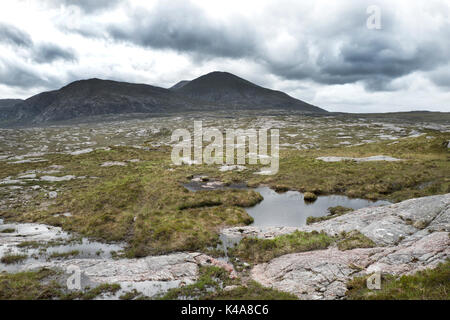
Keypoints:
pixel 290 210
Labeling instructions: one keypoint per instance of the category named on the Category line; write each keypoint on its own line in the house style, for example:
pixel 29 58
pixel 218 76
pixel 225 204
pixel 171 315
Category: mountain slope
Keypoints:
pixel 96 97
pixel 6 103
pixel 179 85
pixel 227 89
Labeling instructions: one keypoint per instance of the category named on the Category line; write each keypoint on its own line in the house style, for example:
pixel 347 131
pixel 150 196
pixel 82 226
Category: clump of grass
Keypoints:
pixel 309 197
pixel 354 239
pixel 13 258
pixel 253 291
pixel 210 286
pixel 261 250
pixel 130 295
pixel 334 212
pixel 430 284
pixel 104 288
pixel 8 230
pixel 30 244
pixel 211 278
pixel 29 285
pixel 64 255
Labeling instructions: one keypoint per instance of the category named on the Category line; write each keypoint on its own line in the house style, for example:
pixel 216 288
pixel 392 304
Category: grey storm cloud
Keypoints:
pixel 49 52
pixel 87 6
pixel 38 52
pixel 349 52
pixel 183 27
pixel 11 35
pixel 17 75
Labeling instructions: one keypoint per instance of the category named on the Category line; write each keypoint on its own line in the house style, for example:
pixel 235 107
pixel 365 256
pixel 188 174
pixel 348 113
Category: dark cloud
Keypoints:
pixel 351 53
pixel 14 36
pixel 348 52
pixel 87 6
pixel 16 75
pixel 334 47
pixel 49 52
pixel 184 27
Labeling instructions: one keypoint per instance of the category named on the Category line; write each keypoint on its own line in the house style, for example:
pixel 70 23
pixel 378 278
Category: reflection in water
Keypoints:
pixel 290 210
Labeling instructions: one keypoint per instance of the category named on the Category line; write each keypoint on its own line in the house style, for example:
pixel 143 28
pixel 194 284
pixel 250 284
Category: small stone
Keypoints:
pixel 52 195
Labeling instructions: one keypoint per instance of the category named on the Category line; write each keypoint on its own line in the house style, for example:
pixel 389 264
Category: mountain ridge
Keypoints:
pixel 93 97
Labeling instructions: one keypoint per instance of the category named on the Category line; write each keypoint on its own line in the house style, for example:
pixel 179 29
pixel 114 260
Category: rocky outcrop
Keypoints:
pixel 323 274
pixel 411 235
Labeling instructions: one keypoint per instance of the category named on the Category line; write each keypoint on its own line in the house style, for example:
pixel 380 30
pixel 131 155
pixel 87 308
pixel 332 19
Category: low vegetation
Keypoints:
pixel 423 171
pixel 256 250
pixel 45 284
pixel 145 204
pixel 8 230
pixel 64 255
pixel 13 258
pixel 211 284
pixel 430 284
pixel 353 240
pixel 334 212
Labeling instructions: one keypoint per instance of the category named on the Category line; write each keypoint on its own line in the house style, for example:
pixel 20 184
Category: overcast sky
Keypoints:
pixel 319 51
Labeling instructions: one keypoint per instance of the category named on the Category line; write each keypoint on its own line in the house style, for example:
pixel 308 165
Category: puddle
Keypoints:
pixel 212 185
pixel 290 210
pixel 53 240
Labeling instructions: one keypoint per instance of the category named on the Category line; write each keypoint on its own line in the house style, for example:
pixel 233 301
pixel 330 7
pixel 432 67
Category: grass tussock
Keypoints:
pixel 257 250
pixel 13 258
pixel 8 230
pixel 334 212
pixel 430 284
pixel 353 240
pixel 64 255
pixel 44 284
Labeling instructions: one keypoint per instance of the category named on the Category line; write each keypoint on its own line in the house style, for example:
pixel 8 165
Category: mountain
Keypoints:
pixel 179 85
pixel 6 103
pixel 229 90
pixel 93 97
pixel 96 97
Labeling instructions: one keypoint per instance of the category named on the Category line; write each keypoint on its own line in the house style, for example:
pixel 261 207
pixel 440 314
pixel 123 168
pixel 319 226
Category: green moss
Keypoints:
pixel 430 284
pixel 261 250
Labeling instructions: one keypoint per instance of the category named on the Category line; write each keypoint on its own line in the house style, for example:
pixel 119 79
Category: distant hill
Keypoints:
pixel 179 85
pixel 5 103
pixel 227 89
pixel 94 97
